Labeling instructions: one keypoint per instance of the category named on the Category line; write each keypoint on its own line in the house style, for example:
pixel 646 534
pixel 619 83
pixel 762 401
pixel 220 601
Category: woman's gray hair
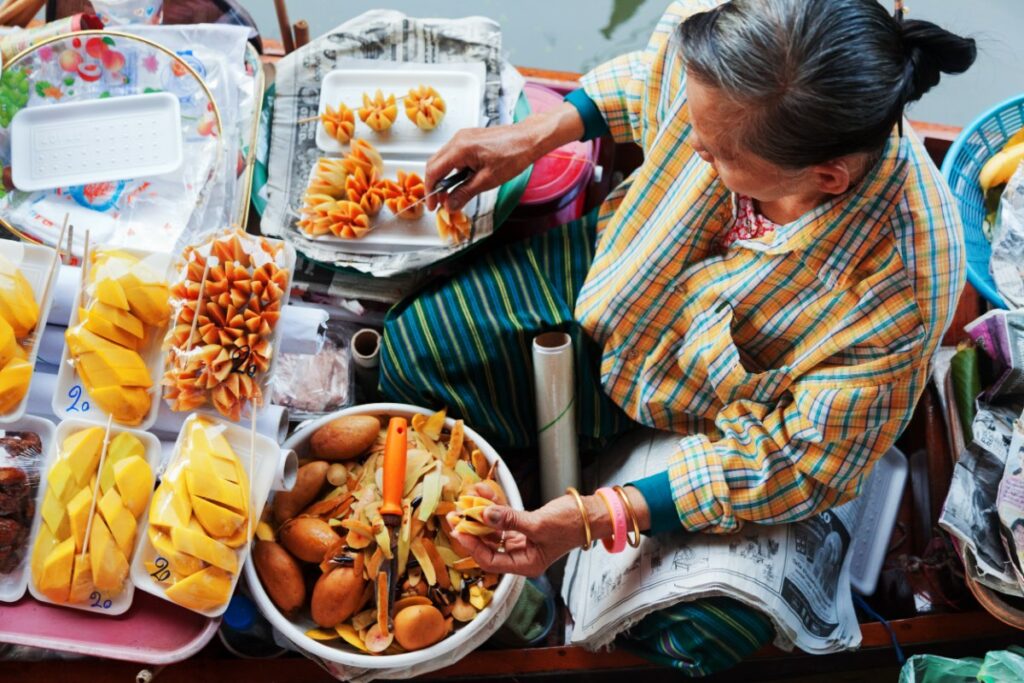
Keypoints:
pixel 820 78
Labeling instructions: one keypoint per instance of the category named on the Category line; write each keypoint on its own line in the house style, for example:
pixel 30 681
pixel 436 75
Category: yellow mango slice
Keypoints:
pixel 78 515
pixel 201 485
pixel 134 478
pixel 149 301
pixel 218 521
pixel 81 579
pixel 109 564
pixel 81 450
pixel 103 327
pixel 128 405
pixel 171 505
pixel 60 481
pixel 114 366
pixel 119 519
pixel 111 293
pixel 8 343
pixel 55 579
pixel 202 591
pixel 122 446
pixel 179 563
pixel 200 545
pixel 55 516
pixel 45 543
pixel 239 538
pixel 14 381
pixel 17 301
pixel 123 320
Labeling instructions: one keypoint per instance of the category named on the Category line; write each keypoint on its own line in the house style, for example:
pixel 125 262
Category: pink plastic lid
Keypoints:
pixel 563 170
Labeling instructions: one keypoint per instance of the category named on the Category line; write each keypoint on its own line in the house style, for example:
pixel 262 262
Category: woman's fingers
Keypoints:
pixel 480 181
pixel 492 559
pixel 504 518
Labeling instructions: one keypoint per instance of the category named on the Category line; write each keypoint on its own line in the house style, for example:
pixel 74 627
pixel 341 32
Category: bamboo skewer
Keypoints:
pixel 252 472
pixel 96 488
pixel 49 273
pixel 310 119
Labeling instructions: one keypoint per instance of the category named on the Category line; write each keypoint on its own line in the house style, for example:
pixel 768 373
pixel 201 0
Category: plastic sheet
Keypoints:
pixel 998 666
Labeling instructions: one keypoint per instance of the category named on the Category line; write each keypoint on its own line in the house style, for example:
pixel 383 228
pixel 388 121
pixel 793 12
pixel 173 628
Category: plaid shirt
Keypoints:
pixel 790 361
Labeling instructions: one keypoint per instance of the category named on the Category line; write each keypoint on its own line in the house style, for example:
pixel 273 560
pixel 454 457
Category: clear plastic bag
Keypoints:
pixel 311 385
pixel 20 461
pixel 999 666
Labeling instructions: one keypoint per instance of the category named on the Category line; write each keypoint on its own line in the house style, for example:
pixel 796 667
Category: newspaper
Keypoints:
pixel 1000 334
pixel 1010 503
pixel 380 35
pixel 797 574
pixel 1007 261
pixel 969 513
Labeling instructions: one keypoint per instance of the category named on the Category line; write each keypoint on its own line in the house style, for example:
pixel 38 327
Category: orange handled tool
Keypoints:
pixel 395 446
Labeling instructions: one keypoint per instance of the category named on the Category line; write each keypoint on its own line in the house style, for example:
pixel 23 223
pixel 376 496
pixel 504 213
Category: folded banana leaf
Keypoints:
pixel 966 383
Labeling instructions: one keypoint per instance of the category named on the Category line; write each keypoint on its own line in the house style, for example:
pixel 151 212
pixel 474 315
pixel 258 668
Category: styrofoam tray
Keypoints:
pixel 34 261
pixel 105 605
pixel 115 138
pixel 266 460
pixel 389 233
pixel 72 399
pixel 880 503
pixel 12 585
pixel 462 92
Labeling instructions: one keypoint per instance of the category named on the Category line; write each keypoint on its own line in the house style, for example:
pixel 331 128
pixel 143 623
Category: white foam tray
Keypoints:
pixel 105 605
pixel 462 92
pixel 389 233
pixel 266 460
pixel 879 506
pixel 12 585
pixel 115 138
pixel 34 261
pixel 72 399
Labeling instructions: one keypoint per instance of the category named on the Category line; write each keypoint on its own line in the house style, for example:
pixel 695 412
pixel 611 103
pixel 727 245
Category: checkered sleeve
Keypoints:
pixel 785 462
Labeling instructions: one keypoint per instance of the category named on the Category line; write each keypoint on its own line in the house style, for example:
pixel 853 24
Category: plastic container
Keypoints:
pixel 151 632
pixel 460 643
pixel 462 92
pixel 975 145
pixel 13 584
pixel 98 604
pixel 72 399
pixel 267 460
pixel 64 145
pixel 879 506
pixel 35 262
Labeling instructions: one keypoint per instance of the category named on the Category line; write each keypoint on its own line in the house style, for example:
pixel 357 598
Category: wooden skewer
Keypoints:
pixel 96 489
pixel 195 316
pixel 49 273
pixel 309 119
pixel 252 472
pixel 85 271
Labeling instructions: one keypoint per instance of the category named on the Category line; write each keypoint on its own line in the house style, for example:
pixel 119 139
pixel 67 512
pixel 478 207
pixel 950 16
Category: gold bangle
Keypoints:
pixel 635 541
pixel 583 513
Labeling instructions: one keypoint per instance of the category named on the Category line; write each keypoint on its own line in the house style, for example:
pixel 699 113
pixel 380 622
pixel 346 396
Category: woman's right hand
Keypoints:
pixel 499 153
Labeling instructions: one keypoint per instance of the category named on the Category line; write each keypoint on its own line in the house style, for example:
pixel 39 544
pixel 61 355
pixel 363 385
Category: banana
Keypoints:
pixel 1015 139
pixel 999 168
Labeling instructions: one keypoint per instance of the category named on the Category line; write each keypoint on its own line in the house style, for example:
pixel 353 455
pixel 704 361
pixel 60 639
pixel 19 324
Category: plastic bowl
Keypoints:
pixel 973 147
pixel 436 656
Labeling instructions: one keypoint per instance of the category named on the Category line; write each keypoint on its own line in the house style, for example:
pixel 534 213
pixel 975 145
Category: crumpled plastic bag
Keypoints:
pixel 999 666
pixel 1007 261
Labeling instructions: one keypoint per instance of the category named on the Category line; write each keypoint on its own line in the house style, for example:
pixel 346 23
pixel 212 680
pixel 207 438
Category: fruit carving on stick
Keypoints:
pixel 425 107
pixel 339 123
pixel 365 189
pixel 453 227
pixel 124 308
pixel 226 304
pixel 198 519
pixel 378 112
pixel 402 197
pixel 122 481
pixel 329 178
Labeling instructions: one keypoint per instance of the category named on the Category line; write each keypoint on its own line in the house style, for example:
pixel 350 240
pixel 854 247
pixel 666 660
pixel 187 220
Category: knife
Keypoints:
pixel 443 185
pixel 395 446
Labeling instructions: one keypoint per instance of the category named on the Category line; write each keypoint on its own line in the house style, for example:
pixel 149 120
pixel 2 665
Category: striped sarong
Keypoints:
pixel 465 343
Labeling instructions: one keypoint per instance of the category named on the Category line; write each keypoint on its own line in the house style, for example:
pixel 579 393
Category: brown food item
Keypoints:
pixel 345 437
pixel 308 482
pixel 16 504
pixel 419 626
pixel 281 576
pixel 337 595
pixel 308 538
pixel 21 444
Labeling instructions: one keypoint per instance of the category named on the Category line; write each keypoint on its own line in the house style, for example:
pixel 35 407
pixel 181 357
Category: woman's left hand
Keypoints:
pixel 524 542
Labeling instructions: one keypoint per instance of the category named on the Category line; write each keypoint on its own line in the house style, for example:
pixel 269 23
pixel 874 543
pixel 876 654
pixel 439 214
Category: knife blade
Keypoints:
pixel 395 448
pixel 443 185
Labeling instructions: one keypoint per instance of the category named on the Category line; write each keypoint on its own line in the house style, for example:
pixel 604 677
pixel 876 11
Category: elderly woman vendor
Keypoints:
pixel 770 284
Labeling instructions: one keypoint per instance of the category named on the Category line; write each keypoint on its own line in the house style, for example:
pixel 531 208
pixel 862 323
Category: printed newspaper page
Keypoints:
pixel 796 573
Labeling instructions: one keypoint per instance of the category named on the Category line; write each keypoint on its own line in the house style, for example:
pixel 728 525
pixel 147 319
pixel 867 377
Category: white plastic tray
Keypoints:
pixel 12 585
pixel 115 138
pixel 105 605
pixel 72 399
pixel 266 460
pixel 33 260
pixel 391 234
pixel 461 91
pixel 880 503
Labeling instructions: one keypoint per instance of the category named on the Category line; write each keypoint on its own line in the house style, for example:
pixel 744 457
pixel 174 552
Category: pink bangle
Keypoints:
pixel 618 513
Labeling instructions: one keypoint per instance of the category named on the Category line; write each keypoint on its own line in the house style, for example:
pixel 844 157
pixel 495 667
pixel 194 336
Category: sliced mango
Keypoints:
pixel 134 478
pixel 128 405
pixel 122 446
pixel 81 450
pixel 55 579
pixel 114 367
pixel 81 579
pixel 179 563
pixel 45 543
pixel 119 519
pixel 200 545
pixel 55 516
pixel 8 342
pixel 61 481
pixel 105 328
pixel 78 515
pixel 111 293
pixel 201 485
pixel 202 591
pixel 14 381
pixel 171 505
pixel 149 301
pixel 123 320
pixel 109 564
pixel 17 300
pixel 218 521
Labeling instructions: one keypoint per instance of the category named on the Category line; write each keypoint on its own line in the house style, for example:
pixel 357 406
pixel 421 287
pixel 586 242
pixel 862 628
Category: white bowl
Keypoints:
pixel 447 651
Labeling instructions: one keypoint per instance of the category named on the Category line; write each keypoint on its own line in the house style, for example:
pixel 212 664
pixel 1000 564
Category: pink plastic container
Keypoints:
pixel 153 631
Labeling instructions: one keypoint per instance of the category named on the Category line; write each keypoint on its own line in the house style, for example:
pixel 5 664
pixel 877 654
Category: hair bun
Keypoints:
pixel 932 51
